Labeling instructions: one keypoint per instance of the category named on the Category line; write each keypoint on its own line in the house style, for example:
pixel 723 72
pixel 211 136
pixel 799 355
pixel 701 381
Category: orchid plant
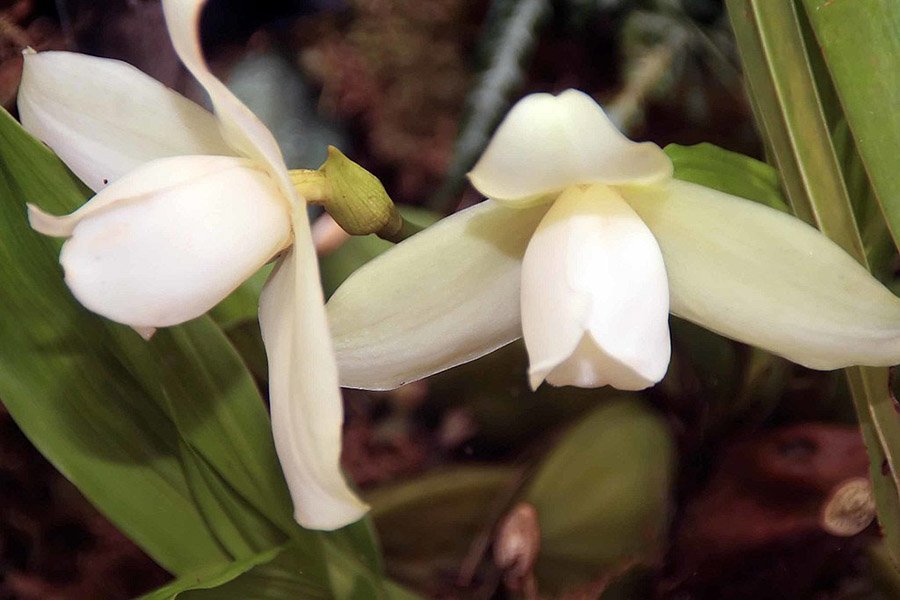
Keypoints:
pixel 585 244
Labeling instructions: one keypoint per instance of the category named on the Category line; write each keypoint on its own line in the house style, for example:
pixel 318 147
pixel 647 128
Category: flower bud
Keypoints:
pixel 356 198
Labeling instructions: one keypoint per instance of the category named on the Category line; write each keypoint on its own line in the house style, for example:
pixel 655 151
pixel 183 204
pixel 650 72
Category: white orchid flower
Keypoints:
pixel 585 244
pixel 188 205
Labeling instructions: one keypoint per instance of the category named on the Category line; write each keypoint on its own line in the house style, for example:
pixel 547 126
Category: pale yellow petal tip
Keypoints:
pixel 48 224
pixel 145 332
pixel 335 517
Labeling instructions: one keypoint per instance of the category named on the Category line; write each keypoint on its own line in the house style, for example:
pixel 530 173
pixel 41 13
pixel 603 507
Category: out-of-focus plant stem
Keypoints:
pixel 782 80
pixel 626 108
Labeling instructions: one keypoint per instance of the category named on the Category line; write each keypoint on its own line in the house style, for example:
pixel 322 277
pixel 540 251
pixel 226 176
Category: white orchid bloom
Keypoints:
pixel 188 205
pixel 585 244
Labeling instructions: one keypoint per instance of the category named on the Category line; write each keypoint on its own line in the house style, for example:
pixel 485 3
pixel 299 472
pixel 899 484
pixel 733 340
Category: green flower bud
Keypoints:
pixel 356 199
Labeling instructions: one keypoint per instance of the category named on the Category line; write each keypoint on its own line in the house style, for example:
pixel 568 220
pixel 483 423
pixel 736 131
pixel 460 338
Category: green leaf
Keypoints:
pixel 729 172
pixel 277 574
pixel 284 573
pixel 603 494
pixel 794 123
pixel 453 506
pixel 861 44
pixel 795 114
pixel 242 304
pixel 64 382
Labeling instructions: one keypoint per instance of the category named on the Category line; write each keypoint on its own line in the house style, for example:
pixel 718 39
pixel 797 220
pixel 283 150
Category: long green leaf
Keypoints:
pixel 861 44
pixel 283 573
pixel 795 123
pixel 277 574
pixel 198 378
pixel 66 386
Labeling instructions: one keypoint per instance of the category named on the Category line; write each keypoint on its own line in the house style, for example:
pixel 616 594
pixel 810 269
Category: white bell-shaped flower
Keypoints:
pixel 583 243
pixel 189 204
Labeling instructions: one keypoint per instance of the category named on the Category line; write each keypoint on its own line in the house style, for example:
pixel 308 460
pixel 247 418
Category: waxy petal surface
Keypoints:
pixel 595 303
pixel 167 242
pixel 547 143
pixel 307 410
pixel 292 313
pixel 243 130
pixel 765 278
pixel 445 296
pixel 105 118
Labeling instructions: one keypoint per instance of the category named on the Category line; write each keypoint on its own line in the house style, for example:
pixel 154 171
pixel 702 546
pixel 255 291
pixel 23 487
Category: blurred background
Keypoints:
pixel 715 484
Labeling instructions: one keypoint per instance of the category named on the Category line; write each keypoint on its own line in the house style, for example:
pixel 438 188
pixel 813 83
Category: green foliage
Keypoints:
pixel 861 44
pixel 603 494
pixel 170 439
pixel 64 381
pixel 453 506
pixel 797 117
pixel 729 172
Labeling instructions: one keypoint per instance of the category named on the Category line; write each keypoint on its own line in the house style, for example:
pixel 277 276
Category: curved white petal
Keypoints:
pixel 765 278
pixel 240 127
pixel 304 391
pixel 595 302
pixel 163 175
pixel 105 118
pixel 307 411
pixel 443 297
pixel 168 241
pixel 547 143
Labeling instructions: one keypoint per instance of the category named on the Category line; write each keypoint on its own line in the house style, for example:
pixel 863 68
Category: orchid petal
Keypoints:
pixel 445 296
pixel 240 127
pixel 105 118
pixel 168 241
pixel 768 279
pixel 595 302
pixel 547 143
pixel 307 411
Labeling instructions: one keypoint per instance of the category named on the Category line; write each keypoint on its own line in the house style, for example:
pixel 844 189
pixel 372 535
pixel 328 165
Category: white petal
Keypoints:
pixel 104 117
pixel 547 143
pixel 307 412
pixel 241 128
pixel 765 278
pixel 168 173
pixel 595 302
pixel 168 241
pixel 443 297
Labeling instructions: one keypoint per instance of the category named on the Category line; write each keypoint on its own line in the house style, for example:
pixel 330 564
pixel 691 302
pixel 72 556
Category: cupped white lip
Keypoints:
pixel 158 248
pixel 595 299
